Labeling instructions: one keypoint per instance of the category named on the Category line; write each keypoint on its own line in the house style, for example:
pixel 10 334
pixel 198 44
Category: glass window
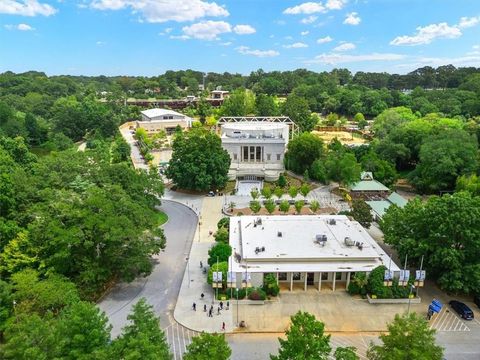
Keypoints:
pixel 338 276
pixel 252 153
pixel 297 276
pixel 282 276
pixel 269 156
pixel 245 153
pixel 324 276
pixel 278 156
pixel 234 156
pixel 258 153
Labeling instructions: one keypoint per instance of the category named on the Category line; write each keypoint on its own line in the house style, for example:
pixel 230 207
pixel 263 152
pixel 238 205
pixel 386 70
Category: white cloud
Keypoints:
pixel 245 50
pixel 335 4
pixel 296 45
pixel 324 40
pixel 100 43
pixel 345 47
pixel 309 19
pixel 228 43
pixel 333 58
pixel 467 60
pixel 425 35
pixel 244 29
pixel 166 31
pixel 466 22
pixel 155 11
pixel 21 27
pixel 352 19
pixel 207 30
pixel 288 37
pixel 305 8
pixel 303 33
pixel 476 47
pixel 179 37
pixel 26 8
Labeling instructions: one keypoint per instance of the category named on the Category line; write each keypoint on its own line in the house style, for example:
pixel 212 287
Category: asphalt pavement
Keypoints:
pixel 161 287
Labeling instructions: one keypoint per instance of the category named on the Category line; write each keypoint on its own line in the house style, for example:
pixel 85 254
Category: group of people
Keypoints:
pixel 209 311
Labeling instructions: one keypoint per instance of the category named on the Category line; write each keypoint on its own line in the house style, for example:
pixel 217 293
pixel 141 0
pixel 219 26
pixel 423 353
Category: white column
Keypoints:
pixel 319 281
pixel 348 280
pixel 305 282
pixel 277 279
pixel 291 281
pixel 334 277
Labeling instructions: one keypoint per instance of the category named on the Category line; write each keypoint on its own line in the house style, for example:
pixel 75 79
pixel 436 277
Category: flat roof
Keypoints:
pixel 252 125
pixel 284 243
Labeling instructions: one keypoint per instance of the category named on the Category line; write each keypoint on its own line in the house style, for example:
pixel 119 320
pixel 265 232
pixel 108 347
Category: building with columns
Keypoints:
pixel 319 252
pixel 256 149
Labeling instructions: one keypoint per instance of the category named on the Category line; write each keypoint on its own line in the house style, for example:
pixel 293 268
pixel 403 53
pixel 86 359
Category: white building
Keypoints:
pixel 256 149
pixel 304 251
pixel 155 120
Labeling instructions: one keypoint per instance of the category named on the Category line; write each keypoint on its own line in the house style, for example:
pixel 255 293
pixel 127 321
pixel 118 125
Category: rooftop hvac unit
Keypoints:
pixel 321 239
pixel 279 234
pixel 332 222
pixel 349 241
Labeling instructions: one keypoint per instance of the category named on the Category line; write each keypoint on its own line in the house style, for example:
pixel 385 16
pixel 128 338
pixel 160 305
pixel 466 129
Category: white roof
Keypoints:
pixel 151 113
pixel 254 125
pixel 297 249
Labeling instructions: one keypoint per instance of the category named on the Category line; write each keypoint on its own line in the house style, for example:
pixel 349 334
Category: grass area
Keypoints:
pixel 162 218
pixel 229 187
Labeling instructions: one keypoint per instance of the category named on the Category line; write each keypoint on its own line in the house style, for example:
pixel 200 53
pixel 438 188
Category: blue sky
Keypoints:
pixel 148 37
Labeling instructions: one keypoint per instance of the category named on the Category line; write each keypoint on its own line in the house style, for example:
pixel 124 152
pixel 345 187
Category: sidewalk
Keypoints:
pixel 195 281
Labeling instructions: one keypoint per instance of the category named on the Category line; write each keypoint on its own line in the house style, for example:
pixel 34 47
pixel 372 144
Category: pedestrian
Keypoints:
pixel 228 304
pixel 201 264
pixel 221 305
pixel 205 308
pixel 202 295
pixel 210 313
pixel 223 326
pixel 218 310
pixel 194 307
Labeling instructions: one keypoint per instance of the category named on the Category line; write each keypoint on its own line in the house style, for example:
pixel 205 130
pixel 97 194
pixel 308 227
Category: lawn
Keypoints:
pixel 162 218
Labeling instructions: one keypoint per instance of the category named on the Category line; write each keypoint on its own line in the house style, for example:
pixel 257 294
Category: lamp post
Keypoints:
pixel 188 270
pixel 410 297
pixel 237 308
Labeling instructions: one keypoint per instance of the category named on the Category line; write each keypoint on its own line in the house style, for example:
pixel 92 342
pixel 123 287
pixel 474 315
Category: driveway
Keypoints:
pixel 161 287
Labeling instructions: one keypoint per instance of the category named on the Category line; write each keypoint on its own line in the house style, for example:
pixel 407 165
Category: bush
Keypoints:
pixel 220 252
pixel 282 181
pixel 270 285
pixel 257 294
pixel 357 284
pixel 353 289
pixel 241 294
pixel 224 223
pixel 221 235
pixel 375 281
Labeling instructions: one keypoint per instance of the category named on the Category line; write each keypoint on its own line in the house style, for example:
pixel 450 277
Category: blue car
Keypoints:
pixel 461 309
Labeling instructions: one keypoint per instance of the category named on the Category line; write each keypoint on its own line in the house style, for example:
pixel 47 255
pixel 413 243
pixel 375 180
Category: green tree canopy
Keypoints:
pixel 220 251
pixel 361 212
pixel 303 151
pixel 198 162
pixel 305 339
pixel 409 337
pixel 297 109
pixel 208 347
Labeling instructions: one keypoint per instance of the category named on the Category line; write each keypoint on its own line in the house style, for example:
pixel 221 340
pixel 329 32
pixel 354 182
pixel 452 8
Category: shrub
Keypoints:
pixel 357 284
pixel 241 294
pixel 270 285
pixel 282 181
pixel 257 294
pixel 224 223
pixel 375 281
pixel 221 235
pixel 220 252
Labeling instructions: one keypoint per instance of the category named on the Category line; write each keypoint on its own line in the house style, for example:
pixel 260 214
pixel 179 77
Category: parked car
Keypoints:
pixel 211 193
pixel 461 309
pixel 476 300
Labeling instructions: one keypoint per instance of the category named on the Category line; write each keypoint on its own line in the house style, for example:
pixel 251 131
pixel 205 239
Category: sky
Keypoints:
pixel 149 37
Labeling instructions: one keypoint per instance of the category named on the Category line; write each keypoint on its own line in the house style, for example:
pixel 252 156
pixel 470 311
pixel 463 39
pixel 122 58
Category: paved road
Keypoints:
pixel 162 286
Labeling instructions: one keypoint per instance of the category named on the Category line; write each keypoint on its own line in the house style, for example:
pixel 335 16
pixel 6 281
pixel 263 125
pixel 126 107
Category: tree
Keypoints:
pixel 342 167
pixel 120 150
pixel 221 235
pixel 279 192
pixel 293 191
pixel 446 231
pixel 314 206
pixel 304 190
pixel 143 338
pixel 270 206
pixel 346 353
pixel 409 337
pixel 220 267
pixel 198 162
pixel 219 252
pixel 83 331
pixel 302 151
pixel 266 192
pixel 255 206
pixel 469 183
pixel 361 212
pixel 284 206
pixel 282 181
pixel 265 105
pixel 296 108
pixel 241 102
pixel 443 158
pixel 299 206
pixel 208 347
pixel 254 193
pixel 305 339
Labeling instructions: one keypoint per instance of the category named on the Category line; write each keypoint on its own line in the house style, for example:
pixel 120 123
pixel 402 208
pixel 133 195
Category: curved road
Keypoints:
pixel 162 286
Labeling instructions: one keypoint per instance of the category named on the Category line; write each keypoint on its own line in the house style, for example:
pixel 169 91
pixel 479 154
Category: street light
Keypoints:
pixel 410 297
pixel 188 270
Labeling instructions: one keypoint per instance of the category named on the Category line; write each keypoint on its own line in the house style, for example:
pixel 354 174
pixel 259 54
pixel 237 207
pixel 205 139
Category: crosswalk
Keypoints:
pixel 359 342
pixel 447 320
pixel 178 337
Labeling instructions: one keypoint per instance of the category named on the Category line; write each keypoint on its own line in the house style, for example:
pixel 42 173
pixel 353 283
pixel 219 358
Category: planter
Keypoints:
pixel 416 300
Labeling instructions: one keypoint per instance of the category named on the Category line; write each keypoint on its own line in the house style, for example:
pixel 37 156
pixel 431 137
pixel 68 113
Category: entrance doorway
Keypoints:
pixel 310 277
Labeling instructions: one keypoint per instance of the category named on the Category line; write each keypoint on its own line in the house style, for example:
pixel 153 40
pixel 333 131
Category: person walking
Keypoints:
pixel 210 313
pixel 228 304
pixel 201 264
pixel 218 310
pixel 205 308
pixel 221 305
pixel 194 307
pixel 223 326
